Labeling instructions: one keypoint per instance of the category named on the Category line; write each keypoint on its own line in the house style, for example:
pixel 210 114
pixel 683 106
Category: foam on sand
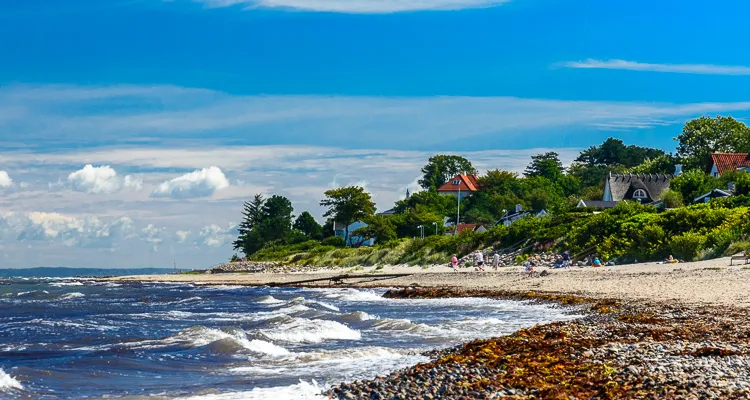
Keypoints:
pixel 7 382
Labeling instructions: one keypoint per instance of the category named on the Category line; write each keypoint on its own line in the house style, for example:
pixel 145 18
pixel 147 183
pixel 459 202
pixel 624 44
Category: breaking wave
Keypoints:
pixel 302 330
pixel 8 382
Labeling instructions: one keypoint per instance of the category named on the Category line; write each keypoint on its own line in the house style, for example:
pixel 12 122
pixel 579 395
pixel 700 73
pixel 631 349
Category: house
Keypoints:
pixel 512 216
pixel 596 203
pixel 723 162
pixel 645 188
pixel 461 185
pixel 391 211
pixel 352 240
pixel 469 228
pixel 713 194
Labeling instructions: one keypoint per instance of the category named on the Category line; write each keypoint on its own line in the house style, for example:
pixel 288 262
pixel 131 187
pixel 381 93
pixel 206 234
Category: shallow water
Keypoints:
pixel 72 339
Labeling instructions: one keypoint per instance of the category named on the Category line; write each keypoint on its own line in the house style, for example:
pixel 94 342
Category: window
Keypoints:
pixel 456 182
pixel 640 194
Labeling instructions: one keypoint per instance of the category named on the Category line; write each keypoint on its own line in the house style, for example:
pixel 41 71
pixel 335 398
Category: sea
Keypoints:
pixel 76 338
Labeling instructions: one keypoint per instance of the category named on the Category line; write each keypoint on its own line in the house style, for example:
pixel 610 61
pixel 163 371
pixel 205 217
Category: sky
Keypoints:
pixel 132 131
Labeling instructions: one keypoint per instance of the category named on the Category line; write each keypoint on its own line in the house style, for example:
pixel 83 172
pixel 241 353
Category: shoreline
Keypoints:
pixel 618 350
pixel 650 331
pixel 712 282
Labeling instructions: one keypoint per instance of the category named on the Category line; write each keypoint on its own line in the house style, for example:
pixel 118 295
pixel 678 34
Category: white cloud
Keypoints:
pixel 199 183
pixel 182 236
pixel 65 229
pixel 101 180
pixel 359 6
pixel 5 180
pixel 698 69
pixel 215 236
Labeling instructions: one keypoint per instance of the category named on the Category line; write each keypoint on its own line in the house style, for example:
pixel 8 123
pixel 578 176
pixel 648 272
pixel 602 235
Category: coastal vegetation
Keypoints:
pixel 628 232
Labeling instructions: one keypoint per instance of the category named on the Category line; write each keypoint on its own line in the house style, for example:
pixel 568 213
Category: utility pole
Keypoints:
pixel 458 206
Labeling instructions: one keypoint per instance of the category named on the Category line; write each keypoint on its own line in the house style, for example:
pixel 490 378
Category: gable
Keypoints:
pixel 623 187
pixel 465 183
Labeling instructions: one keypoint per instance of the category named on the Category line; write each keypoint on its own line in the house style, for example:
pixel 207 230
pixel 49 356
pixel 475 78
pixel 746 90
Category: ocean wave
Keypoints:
pixel 302 300
pixel 349 354
pixel 74 295
pixel 356 316
pixel 200 336
pixel 269 300
pixel 8 382
pixel 403 325
pixel 302 330
pixel 189 299
pixel 33 293
pixel 301 391
pixel 352 295
pixel 61 284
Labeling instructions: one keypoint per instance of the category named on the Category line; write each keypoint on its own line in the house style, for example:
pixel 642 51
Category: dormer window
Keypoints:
pixel 640 194
pixel 456 182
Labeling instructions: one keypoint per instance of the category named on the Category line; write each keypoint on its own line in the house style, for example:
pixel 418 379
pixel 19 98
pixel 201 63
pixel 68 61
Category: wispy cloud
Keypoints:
pixel 699 69
pixel 139 114
pixel 358 6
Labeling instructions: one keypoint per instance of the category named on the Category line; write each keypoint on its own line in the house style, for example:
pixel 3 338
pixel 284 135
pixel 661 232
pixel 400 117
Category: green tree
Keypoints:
pixel 276 223
pixel 547 165
pixel 307 224
pixel 348 204
pixel 379 227
pixel 440 168
pixel 664 164
pixel 693 183
pixel 251 216
pixel 614 152
pixel 500 182
pixel 705 135
pixel 672 199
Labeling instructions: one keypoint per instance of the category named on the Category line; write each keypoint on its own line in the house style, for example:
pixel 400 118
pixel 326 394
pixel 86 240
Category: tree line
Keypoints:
pixel 544 184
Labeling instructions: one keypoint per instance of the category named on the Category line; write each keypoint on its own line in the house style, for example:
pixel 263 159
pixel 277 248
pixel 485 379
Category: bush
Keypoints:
pixel 673 199
pixel 335 241
pixel 687 246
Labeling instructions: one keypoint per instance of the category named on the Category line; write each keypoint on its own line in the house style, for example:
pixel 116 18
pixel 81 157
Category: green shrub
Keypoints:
pixel 687 246
pixel 740 246
pixel 335 241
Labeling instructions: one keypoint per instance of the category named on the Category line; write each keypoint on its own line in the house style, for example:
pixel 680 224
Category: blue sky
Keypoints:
pixel 296 96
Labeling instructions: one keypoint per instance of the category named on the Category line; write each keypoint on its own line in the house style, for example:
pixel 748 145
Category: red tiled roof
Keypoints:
pixel 729 161
pixel 467 183
pixel 467 227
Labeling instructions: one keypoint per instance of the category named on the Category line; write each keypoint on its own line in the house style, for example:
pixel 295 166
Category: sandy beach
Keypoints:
pixel 696 283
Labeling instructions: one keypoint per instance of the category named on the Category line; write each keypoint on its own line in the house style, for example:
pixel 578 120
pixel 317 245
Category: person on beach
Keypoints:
pixel 454 263
pixel 597 262
pixel 496 261
pixel 566 259
pixel 480 261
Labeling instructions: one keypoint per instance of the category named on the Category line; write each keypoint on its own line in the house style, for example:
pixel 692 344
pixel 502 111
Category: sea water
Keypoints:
pixel 81 339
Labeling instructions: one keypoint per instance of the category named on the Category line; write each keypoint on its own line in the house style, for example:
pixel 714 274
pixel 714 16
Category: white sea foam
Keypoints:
pixel 301 391
pixel 61 284
pixel 302 330
pixel 189 299
pixel 352 295
pixel 74 295
pixel 7 382
pixel 33 292
pixel 269 300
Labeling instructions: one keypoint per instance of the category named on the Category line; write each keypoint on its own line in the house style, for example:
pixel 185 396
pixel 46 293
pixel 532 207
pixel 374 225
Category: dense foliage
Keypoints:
pixel 628 232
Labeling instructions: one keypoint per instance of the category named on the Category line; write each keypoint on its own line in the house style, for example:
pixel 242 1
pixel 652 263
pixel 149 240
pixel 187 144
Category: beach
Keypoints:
pixel 712 282
pixel 652 330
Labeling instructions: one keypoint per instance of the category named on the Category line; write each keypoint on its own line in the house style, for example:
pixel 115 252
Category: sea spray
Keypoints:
pixel 7 382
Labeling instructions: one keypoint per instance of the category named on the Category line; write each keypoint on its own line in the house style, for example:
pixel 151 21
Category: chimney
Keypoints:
pixel 519 208
pixel 677 169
